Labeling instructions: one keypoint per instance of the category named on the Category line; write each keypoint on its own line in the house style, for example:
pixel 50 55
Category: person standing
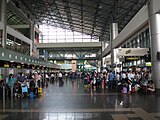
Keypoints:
pixel 1 85
pixel 60 79
pixel 52 77
pixel 150 86
pixel 111 78
pixel 36 78
pixel 123 77
pixel 47 79
pixel 66 76
pixel 10 84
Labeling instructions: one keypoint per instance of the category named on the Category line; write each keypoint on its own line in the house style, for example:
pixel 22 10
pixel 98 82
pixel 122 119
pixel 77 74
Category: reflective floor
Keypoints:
pixel 72 102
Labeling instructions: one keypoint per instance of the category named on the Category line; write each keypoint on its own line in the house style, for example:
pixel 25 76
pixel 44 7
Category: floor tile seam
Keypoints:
pixel 135 115
pixel 3 117
pixel 155 114
pixel 84 94
pixel 126 116
pixel 68 110
pixel 131 115
pixel 119 117
pixel 144 114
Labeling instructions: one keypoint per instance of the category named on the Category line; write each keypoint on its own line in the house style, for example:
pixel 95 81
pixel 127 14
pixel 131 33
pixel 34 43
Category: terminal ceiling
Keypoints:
pixel 91 17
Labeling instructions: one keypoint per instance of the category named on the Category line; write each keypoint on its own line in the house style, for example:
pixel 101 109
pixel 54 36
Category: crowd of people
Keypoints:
pixel 124 82
pixel 32 81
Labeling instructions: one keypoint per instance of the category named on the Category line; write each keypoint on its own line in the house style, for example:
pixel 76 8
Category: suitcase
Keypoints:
pixel 39 91
pixel 24 89
pixel 133 89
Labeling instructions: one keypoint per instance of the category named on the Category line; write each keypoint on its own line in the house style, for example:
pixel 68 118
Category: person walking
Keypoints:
pixel 60 79
pixel 110 80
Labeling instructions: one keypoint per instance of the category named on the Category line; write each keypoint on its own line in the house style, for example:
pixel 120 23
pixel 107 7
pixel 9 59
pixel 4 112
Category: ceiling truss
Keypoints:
pixel 92 17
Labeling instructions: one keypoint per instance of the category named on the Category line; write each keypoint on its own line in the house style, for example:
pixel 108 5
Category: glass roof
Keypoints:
pixel 92 17
pixel 13 19
pixel 50 34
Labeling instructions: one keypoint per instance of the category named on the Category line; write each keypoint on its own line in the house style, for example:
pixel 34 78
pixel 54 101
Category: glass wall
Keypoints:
pixel 17 45
pixel 148 42
pixel 52 34
pixel 0 38
pixel 25 48
pixel 0 10
pixel 141 40
pixel 10 42
pixel 36 38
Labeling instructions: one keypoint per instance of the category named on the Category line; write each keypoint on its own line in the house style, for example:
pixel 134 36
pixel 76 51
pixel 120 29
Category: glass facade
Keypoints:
pixel 141 40
pixel 10 42
pixel 17 45
pixel 0 38
pixel 52 34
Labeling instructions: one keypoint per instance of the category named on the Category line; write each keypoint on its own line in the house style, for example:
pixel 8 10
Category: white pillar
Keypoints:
pixel 102 49
pixel 3 14
pixel 103 45
pixel 32 32
pixel 102 62
pixel 113 34
pixel 31 49
pixel 45 55
pixel 154 22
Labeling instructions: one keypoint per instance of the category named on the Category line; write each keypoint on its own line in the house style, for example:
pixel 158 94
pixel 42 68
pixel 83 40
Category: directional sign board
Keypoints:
pixel 132 51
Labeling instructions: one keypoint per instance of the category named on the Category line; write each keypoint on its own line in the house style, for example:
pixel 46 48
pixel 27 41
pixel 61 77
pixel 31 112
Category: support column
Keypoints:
pixel 113 34
pixel 154 23
pixel 32 35
pixel 101 55
pixel 4 21
pixel 83 65
pixel 102 49
pixel 31 49
pixel 32 32
pixel 103 45
pixel 45 55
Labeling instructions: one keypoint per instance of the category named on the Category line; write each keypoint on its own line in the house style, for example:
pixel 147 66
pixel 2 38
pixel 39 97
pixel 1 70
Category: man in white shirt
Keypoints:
pixel 130 75
pixel 52 77
pixel 60 79
pixel 123 76
pixel 47 79
pixel 66 76
pixel 60 75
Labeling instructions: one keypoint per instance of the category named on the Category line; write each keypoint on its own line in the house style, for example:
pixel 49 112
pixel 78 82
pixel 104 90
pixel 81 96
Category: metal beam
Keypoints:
pixel 95 17
pixel 18 12
pixel 85 58
pixel 19 26
pixel 68 45
pixel 59 15
pixel 82 16
pixel 68 13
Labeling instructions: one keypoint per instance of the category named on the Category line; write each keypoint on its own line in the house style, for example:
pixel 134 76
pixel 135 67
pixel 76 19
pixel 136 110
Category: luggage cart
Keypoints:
pixel 17 90
pixel 24 91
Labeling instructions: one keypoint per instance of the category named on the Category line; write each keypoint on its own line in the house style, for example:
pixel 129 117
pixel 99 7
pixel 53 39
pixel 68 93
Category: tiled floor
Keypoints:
pixel 72 102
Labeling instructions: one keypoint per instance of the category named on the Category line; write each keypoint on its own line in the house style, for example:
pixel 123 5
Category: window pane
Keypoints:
pixel 0 38
pixel 63 35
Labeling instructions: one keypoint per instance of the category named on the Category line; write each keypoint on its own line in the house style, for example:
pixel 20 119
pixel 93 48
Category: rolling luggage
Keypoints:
pixel 39 91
